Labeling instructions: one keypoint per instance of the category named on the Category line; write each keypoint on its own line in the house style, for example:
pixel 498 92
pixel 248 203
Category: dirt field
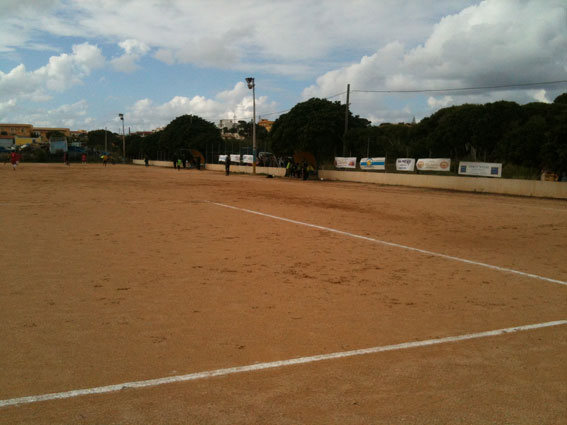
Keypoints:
pixel 123 274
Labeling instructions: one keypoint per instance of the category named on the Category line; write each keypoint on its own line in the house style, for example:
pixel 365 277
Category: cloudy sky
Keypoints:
pixel 79 64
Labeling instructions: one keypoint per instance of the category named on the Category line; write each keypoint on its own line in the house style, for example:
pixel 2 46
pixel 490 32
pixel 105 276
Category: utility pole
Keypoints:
pixel 105 142
pixel 252 85
pixel 346 118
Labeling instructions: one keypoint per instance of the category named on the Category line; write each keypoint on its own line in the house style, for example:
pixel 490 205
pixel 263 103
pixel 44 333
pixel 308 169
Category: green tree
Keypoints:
pixel 562 98
pixel 315 126
pixel 188 132
pixel 244 129
pixel 96 140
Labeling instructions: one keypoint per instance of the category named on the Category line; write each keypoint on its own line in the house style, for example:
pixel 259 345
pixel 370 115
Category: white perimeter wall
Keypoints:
pixel 535 188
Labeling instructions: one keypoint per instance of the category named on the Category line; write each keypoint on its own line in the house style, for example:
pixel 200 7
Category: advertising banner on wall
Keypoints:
pixel 405 164
pixel 484 169
pixel 345 162
pixel 372 163
pixel 248 159
pixel 234 159
pixel 434 164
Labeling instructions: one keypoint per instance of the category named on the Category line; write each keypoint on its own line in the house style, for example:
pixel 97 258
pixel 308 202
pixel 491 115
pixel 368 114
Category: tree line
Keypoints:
pixel 532 136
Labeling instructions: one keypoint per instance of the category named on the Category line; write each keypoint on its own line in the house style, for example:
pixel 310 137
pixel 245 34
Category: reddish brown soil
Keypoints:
pixel 120 274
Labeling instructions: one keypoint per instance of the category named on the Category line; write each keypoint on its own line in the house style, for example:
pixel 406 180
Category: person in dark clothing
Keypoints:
pixel 304 173
pixel 227 165
pixel 147 160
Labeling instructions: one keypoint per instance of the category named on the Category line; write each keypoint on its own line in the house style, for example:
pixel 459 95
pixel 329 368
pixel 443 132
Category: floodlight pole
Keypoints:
pixel 123 139
pixel 252 85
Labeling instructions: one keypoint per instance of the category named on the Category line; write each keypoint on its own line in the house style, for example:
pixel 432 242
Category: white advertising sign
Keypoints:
pixel 247 159
pixel 372 163
pixel 405 164
pixel 222 158
pixel 345 162
pixel 484 169
pixel 235 158
pixel 434 164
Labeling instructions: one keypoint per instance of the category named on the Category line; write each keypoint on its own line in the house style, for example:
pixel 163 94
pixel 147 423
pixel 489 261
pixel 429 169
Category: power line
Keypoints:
pixel 503 86
pixel 274 113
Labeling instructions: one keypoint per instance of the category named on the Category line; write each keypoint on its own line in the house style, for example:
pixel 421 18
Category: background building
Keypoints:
pixel 12 130
pixel 266 124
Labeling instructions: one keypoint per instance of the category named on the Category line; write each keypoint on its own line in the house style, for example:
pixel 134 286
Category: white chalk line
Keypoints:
pixel 396 245
pixel 270 365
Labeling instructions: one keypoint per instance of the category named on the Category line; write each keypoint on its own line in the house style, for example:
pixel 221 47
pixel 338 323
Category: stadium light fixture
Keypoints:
pixel 252 85
pixel 123 139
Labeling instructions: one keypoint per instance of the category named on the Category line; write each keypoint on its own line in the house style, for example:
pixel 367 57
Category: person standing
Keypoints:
pixel 179 163
pixel 66 159
pixel 146 160
pixel 84 159
pixel 227 165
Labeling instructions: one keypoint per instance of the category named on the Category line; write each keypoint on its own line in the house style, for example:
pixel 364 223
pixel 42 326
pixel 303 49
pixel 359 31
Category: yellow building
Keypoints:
pixel 42 131
pixel 26 140
pixel 22 130
pixel 266 124
pixel 28 130
pixel 79 133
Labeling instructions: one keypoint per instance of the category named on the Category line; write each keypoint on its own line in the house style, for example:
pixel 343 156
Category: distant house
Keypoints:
pixel 143 133
pixel 266 124
pixel 22 130
pixel 227 123
pixel 44 131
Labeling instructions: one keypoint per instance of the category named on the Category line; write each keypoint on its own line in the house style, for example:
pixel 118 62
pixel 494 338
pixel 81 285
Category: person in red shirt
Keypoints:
pixel 84 158
pixel 14 159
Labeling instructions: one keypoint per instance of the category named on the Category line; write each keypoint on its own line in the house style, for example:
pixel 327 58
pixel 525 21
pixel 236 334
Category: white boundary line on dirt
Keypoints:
pixel 396 245
pixel 270 365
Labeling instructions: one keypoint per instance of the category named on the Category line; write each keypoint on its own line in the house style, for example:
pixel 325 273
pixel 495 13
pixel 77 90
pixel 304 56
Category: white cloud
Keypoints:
pixel 541 96
pixel 134 47
pixel 229 34
pixel 237 102
pixel 17 18
pixel 68 115
pixel 134 50
pixel 7 106
pixel 437 103
pixel 60 73
pixel 496 42
pixel 166 56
